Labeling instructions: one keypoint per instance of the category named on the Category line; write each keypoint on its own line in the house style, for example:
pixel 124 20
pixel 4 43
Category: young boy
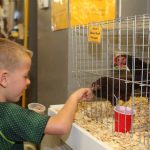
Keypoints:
pixel 18 124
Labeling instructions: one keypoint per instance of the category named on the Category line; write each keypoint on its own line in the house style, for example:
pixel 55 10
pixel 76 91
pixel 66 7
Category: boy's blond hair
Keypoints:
pixel 12 53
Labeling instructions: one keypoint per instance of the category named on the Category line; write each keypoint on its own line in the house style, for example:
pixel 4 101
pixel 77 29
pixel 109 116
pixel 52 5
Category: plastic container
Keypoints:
pixel 37 107
pixel 29 146
pixel 123 118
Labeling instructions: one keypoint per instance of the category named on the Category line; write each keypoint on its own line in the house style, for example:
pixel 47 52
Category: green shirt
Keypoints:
pixel 18 124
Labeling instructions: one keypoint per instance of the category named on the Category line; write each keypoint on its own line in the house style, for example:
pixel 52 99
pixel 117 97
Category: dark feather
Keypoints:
pixel 140 71
pixel 112 89
pixel 137 67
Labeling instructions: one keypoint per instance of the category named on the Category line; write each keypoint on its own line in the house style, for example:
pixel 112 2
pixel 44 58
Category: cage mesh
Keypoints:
pixel 121 56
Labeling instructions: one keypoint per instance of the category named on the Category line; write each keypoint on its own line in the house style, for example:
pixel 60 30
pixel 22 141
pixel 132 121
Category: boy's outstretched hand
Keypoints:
pixel 83 94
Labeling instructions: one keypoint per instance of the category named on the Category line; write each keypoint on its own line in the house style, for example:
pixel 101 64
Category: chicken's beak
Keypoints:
pixel 127 68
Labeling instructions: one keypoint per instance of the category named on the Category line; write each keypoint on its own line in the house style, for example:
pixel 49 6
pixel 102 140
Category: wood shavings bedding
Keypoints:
pixel 97 118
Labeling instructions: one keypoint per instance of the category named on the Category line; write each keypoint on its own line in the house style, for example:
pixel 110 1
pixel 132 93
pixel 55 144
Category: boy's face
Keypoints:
pixel 17 81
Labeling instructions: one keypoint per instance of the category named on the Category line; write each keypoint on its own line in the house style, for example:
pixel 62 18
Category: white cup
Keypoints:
pixel 37 107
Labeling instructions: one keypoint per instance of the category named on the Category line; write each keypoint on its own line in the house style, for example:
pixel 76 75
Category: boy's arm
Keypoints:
pixel 61 123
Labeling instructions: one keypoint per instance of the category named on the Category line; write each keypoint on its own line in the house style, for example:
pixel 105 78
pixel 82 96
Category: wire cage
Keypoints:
pixel 116 67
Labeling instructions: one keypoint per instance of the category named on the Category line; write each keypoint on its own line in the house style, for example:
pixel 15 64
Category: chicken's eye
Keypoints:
pixel 119 60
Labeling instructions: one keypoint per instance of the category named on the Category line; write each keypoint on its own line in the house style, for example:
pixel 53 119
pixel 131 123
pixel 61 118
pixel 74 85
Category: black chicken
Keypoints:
pixel 112 89
pixel 138 68
pixel 135 65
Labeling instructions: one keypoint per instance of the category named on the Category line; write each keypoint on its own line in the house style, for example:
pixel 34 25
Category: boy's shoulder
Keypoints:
pixel 10 107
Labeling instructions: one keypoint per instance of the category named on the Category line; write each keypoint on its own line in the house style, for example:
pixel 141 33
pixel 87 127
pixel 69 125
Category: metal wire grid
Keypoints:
pixel 90 61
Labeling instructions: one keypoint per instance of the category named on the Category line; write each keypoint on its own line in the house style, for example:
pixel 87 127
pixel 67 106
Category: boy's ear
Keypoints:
pixel 3 78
